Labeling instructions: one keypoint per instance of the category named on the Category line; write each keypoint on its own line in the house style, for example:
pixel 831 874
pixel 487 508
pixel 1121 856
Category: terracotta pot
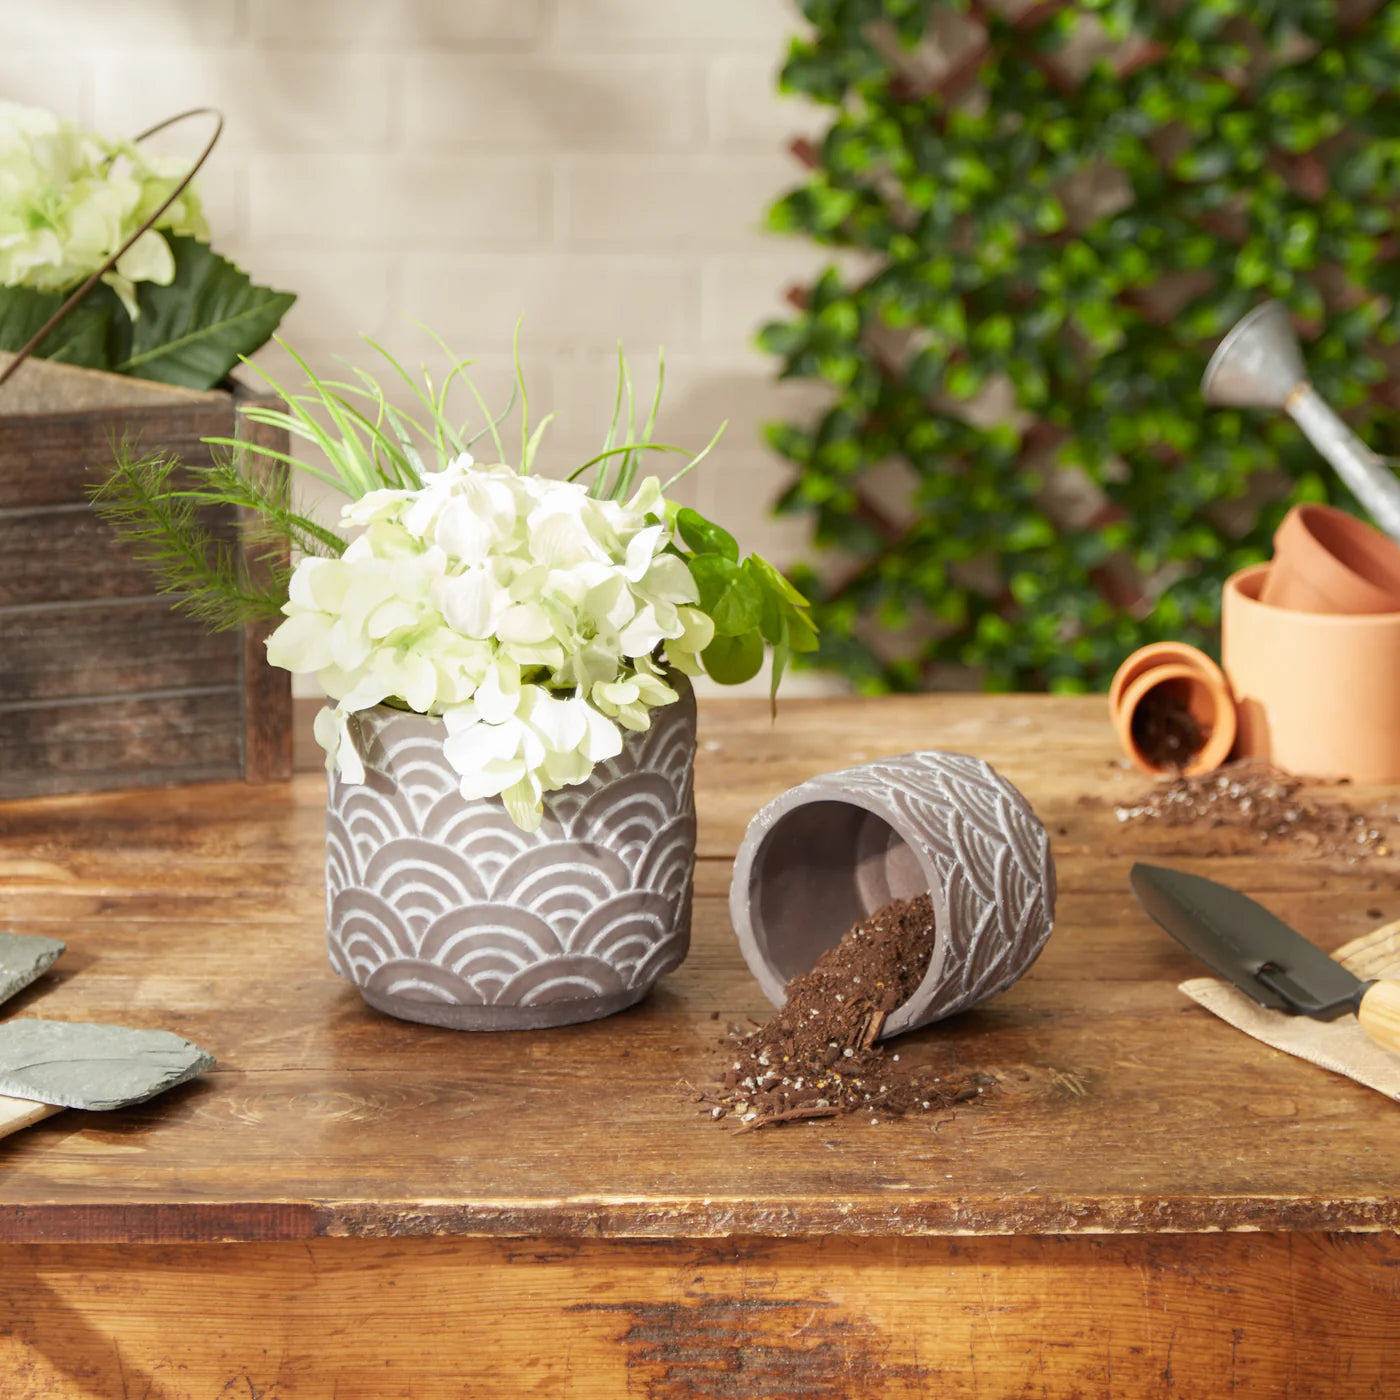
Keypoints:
pixel 1326 561
pixel 1186 674
pixel 829 852
pixel 1315 694
pixel 441 909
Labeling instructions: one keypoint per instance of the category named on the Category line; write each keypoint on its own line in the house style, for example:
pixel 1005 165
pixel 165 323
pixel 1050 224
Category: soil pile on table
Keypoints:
pixel 818 1057
pixel 1261 800
pixel 1168 735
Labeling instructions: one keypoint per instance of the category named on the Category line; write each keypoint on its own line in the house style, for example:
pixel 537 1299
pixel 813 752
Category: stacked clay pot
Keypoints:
pixel 1311 650
pixel 1187 675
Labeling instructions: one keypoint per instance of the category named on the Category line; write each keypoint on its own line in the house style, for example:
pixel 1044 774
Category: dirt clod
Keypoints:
pixel 819 1058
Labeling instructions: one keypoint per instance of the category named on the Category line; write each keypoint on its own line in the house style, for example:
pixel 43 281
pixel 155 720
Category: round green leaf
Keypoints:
pixel 733 660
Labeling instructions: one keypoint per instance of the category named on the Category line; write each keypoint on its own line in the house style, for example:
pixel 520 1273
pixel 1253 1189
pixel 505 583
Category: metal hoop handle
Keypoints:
pixel 75 297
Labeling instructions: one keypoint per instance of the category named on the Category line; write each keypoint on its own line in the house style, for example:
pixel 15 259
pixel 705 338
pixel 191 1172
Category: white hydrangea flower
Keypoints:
pixel 533 618
pixel 69 198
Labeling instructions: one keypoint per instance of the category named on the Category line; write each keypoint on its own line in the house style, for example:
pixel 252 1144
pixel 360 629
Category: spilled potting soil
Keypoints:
pixel 1262 801
pixel 819 1058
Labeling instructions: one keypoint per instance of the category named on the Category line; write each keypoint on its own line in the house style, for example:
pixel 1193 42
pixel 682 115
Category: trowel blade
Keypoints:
pixel 79 1065
pixel 24 958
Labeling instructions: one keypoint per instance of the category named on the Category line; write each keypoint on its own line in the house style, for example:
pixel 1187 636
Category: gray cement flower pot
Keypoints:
pixel 442 910
pixel 830 851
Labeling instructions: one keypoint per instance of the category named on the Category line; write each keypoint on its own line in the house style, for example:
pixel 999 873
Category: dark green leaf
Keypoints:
pixel 704 536
pixel 734 660
pixel 728 594
pixel 81 338
pixel 194 331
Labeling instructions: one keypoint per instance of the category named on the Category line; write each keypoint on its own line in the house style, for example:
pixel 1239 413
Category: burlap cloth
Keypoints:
pixel 1340 1045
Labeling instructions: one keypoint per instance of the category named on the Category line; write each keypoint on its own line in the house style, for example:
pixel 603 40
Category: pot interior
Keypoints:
pixel 822 867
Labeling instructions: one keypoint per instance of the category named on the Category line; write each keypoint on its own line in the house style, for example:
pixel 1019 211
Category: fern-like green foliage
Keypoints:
pixel 162 511
pixel 1067 206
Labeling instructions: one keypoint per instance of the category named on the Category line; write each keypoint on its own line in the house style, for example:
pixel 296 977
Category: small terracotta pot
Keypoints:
pixel 1187 673
pixel 1316 694
pixel 1326 561
pixel 831 851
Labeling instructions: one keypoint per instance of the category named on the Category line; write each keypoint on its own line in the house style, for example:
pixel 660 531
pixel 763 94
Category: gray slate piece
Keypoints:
pixel 75 1065
pixel 23 959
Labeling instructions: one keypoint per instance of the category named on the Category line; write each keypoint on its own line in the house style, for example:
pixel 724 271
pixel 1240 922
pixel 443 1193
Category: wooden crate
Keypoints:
pixel 102 684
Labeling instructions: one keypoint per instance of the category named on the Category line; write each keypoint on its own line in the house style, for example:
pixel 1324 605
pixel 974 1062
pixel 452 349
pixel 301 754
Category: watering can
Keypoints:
pixel 1259 365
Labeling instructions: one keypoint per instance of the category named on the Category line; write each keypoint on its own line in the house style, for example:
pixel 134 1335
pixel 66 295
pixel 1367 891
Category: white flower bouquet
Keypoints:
pixel 539 617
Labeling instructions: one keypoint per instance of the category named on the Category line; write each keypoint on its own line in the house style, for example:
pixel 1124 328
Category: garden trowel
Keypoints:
pixel 47 1066
pixel 24 959
pixel 1261 955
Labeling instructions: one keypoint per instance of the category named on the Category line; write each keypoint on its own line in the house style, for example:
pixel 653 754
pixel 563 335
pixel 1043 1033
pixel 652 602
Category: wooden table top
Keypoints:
pixel 1121 1106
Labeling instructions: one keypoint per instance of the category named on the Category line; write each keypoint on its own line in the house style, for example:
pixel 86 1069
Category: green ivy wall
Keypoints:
pixel 1046 216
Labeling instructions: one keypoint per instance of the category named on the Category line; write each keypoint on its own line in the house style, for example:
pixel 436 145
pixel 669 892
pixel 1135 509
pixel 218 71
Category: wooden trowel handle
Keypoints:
pixel 20 1113
pixel 1379 1014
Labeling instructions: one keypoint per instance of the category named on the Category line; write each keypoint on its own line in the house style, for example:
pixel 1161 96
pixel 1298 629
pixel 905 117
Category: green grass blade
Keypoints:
pixel 617 451
pixel 532 446
pixel 697 459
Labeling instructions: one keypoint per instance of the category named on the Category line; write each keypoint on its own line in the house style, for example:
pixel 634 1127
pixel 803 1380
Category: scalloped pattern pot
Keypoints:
pixel 832 850
pixel 442 910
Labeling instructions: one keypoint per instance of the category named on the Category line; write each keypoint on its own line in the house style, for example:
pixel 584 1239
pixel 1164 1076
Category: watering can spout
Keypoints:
pixel 1259 365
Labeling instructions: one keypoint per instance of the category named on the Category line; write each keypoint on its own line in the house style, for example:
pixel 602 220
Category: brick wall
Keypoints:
pixel 600 167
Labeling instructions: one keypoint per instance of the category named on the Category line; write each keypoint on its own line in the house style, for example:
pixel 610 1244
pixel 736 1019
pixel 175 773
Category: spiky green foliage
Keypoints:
pixel 1241 150
pixel 162 509
pixel 169 516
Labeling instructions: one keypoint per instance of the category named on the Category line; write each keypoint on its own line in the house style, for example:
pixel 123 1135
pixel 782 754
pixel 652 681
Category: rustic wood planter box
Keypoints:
pixel 102 684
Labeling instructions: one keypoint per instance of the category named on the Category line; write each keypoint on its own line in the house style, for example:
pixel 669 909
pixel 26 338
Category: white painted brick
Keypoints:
pixel 573 302
pixel 553 104
pixel 742 292
pixel 397 24
pixel 739 480
pixel 341 295
pixel 742 25
pixel 41 78
pixel 677 202
pixel 270 101
pixel 79 25
pixel 699 395
pixel 398 202
pixel 222 182
pixel 747 110
pixel 739 491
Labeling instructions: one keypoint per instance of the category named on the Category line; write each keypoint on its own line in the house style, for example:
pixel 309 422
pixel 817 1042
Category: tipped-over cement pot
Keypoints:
pixel 1172 674
pixel 1317 694
pixel 1327 561
pixel 829 852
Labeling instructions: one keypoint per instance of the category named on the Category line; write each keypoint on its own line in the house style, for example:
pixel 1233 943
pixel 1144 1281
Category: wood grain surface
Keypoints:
pixel 1146 1204
pixel 1259 1317
pixel 1120 1105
